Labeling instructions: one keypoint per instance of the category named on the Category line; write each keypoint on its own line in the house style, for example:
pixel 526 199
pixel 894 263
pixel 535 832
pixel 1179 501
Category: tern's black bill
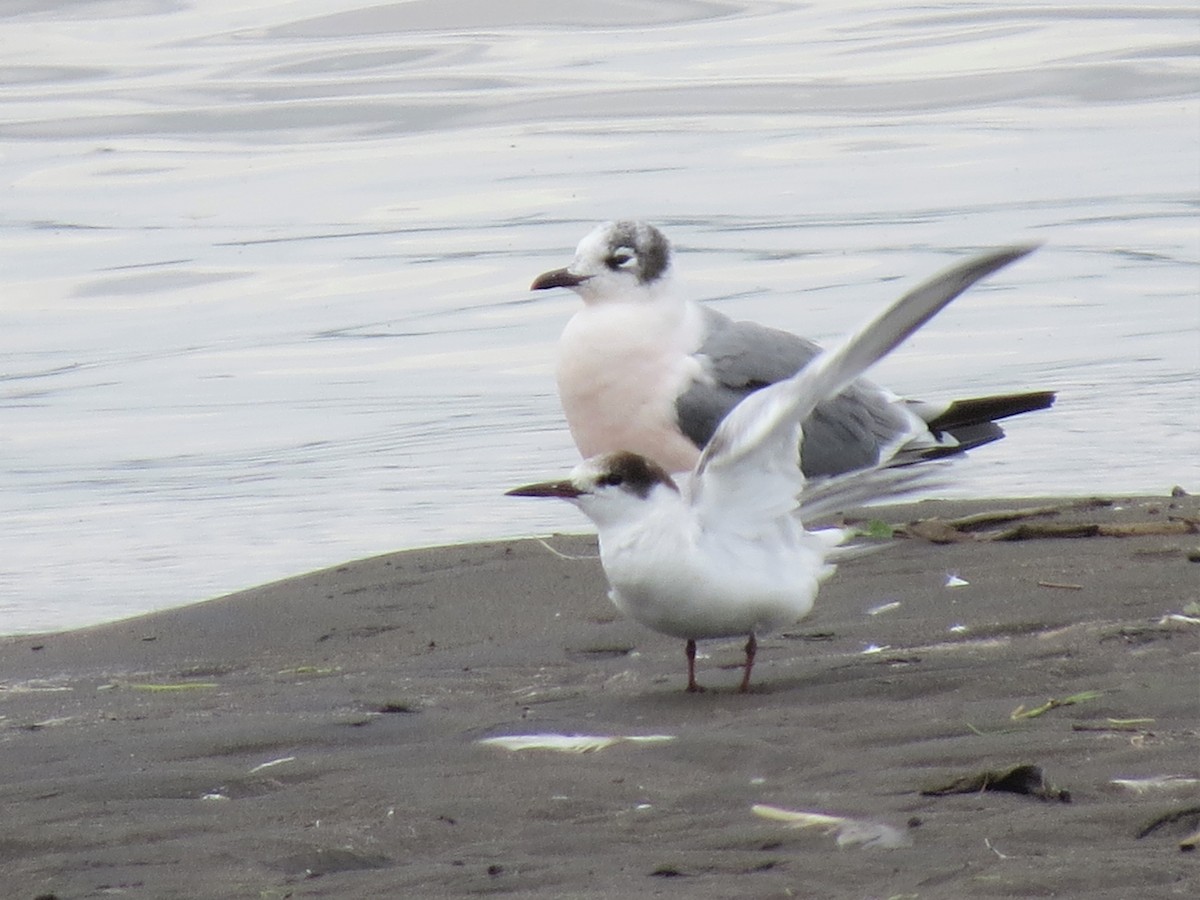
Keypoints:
pixel 562 489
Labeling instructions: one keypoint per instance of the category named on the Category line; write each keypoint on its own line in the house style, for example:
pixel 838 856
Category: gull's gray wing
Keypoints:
pixel 843 433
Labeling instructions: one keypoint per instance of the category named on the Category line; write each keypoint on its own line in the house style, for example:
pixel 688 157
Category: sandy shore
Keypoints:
pixel 320 737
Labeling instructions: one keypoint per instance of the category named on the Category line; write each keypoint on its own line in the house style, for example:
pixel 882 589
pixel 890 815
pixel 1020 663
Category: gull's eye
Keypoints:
pixel 617 260
pixel 612 479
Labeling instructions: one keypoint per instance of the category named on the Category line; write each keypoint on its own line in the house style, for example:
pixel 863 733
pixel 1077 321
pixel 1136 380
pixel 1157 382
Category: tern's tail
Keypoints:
pixel 826 497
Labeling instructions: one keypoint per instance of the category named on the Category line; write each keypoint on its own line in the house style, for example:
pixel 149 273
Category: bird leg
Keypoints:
pixel 692 687
pixel 751 649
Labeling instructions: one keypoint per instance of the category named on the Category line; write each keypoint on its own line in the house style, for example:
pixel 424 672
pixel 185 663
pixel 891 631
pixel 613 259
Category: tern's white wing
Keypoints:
pixel 851 430
pixel 748 469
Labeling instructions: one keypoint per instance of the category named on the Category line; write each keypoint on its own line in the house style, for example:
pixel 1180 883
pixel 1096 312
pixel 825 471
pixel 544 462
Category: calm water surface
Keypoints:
pixel 263 299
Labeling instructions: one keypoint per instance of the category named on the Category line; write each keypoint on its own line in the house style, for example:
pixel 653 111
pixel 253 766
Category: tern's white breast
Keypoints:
pixel 688 583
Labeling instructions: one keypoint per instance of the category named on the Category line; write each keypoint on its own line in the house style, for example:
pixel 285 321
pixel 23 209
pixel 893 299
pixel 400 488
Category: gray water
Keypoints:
pixel 263 279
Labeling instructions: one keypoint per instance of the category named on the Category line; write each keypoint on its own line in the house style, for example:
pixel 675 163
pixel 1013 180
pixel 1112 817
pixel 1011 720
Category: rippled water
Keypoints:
pixel 263 299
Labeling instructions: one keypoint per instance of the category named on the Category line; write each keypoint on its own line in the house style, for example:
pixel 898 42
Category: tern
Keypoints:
pixel 642 368
pixel 725 553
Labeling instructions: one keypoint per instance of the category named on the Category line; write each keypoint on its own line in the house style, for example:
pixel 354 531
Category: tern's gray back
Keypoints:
pixel 842 434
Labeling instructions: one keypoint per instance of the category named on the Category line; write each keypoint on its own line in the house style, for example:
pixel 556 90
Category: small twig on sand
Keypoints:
pixel 987 843
pixel 566 556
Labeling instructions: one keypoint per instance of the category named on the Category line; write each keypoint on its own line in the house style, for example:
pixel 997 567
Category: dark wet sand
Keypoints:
pixel 369 685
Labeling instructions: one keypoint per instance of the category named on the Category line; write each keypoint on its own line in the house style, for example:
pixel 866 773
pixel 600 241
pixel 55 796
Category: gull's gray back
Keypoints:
pixel 843 433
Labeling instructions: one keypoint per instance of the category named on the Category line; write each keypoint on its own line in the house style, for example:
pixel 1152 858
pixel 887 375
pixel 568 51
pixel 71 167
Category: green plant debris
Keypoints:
pixel 165 688
pixel 309 670
pixel 975 729
pixel 1082 697
pixel 877 530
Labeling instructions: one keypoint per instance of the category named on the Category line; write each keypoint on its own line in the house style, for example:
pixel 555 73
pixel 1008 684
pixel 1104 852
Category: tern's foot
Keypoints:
pixel 694 688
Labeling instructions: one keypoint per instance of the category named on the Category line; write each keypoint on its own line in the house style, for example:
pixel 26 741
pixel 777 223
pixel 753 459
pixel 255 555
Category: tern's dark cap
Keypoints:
pixel 633 472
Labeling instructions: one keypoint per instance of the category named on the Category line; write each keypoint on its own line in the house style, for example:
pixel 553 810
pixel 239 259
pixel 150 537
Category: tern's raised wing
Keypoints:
pixel 848 431
pixel 748 469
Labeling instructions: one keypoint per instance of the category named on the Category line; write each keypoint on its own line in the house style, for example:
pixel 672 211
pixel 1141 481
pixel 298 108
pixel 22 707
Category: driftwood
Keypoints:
pixel 980 526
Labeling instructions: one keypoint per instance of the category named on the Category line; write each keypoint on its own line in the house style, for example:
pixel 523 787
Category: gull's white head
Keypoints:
pixel 611 488
pixel 615 261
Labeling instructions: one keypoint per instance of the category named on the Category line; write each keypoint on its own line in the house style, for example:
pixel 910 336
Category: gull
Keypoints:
pixel 725 553
pixel 642 368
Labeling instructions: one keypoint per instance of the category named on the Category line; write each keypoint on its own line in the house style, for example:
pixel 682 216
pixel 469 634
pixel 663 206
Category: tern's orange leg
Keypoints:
pixel 692 687
pixel 751 649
